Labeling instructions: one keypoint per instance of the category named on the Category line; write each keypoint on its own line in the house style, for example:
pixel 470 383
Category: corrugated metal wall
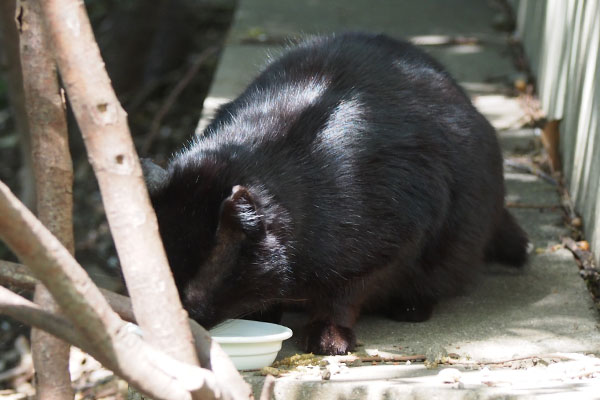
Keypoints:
pixel 562 41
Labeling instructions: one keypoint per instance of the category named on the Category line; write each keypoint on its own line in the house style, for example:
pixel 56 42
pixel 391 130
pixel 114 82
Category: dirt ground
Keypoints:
pixel 150 52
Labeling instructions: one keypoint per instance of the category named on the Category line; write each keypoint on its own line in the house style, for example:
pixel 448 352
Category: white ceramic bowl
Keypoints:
pixel 250 344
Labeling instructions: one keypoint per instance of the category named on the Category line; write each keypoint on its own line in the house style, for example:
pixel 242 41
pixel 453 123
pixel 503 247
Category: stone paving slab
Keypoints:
pixel 277 20
pixel 544 308
pixel 483 71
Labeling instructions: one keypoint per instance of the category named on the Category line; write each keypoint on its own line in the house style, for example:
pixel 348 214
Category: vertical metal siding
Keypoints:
pixel 562 41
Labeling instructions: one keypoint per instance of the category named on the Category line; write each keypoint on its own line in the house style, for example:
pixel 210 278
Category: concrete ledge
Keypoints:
pixel 556 381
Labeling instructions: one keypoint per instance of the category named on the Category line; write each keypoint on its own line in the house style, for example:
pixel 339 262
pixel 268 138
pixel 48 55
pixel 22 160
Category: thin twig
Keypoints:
pixel 172 97
pixel 530 170
pixel 393 358
pixel 386 357
pixel 543 356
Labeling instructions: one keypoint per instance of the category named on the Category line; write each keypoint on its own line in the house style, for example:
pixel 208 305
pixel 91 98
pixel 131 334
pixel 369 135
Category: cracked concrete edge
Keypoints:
pixel 568 379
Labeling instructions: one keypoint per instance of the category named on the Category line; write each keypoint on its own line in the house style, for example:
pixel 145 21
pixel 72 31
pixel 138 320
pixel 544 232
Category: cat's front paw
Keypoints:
pixel 327 338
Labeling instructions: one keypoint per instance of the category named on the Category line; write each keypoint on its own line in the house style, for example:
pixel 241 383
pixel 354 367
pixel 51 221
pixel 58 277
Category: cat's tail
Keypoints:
pixel 509 242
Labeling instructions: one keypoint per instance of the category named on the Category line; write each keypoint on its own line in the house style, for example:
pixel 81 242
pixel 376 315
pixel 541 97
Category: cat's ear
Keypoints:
pixel 239 212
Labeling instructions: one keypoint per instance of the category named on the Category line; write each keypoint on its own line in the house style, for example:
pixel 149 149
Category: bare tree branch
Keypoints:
pixel 17 275
pixel 134 228
pixel 132 221
pixel 48 126
pixel 81 301
pixel 211 355
pixel 29 313
pixel 54 185
pixel 13 274
pixel 11 69
pixel 164 366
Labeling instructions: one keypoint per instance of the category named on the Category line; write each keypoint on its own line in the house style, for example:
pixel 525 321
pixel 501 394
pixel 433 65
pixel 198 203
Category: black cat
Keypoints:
pixel 353 173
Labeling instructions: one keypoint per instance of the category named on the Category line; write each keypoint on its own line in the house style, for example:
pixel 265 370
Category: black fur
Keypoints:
pixel 366 177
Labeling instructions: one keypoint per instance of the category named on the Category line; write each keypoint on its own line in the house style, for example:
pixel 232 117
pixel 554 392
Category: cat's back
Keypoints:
pixel 391 80
pixel 345 128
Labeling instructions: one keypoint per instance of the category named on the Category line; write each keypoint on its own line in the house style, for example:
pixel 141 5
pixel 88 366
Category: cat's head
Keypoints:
pixel 225 257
